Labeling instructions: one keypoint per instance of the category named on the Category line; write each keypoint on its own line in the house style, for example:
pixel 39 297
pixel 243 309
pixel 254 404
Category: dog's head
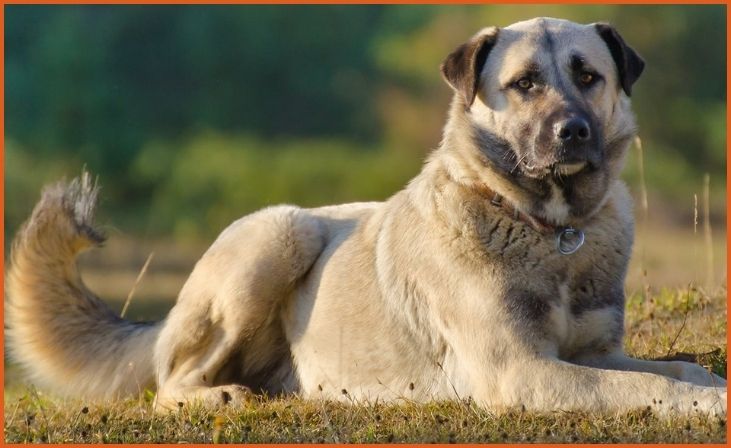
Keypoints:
pixel 548 103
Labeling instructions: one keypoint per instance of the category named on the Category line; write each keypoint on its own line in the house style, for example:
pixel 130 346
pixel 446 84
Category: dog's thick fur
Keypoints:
pixel 436 293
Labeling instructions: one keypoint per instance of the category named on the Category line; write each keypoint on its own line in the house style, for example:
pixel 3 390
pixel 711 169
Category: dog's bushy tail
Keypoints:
pixel 59 331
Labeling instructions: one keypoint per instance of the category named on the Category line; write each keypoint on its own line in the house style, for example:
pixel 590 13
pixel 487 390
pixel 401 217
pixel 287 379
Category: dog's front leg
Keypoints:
pixel 548 384
pixel 509 365
pixel 679 370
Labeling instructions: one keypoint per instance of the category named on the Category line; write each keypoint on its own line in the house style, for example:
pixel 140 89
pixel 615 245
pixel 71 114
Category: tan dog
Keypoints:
pixel 497 273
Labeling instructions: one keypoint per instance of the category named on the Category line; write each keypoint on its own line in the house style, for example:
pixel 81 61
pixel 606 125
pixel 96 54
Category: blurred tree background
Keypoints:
pixel 195 115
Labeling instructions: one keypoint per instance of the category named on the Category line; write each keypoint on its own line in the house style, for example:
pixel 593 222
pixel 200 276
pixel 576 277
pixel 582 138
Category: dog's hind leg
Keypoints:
pixel 232 297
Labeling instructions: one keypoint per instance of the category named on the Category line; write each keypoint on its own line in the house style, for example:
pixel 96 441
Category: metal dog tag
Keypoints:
pixel 569 240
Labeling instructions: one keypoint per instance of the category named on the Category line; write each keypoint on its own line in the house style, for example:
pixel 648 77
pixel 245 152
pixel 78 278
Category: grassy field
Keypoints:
pixel 678 320
pixel 37 419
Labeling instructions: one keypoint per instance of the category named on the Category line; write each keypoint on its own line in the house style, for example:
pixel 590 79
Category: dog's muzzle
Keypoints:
pixel 576 145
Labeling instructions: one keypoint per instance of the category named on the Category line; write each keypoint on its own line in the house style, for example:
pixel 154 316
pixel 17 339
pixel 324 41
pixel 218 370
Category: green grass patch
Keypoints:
pixel 33 419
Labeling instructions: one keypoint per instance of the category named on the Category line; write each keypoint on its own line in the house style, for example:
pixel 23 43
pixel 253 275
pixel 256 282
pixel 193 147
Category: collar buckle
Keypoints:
pixel 497 200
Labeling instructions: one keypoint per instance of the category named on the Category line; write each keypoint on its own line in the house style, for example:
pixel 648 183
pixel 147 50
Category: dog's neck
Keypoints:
pixel 496 200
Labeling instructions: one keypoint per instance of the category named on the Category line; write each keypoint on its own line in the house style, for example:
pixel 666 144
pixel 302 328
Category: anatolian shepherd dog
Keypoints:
pixel 496 274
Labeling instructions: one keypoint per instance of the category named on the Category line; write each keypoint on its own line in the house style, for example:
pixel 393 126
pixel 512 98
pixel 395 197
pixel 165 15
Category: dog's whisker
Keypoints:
pixel 517 164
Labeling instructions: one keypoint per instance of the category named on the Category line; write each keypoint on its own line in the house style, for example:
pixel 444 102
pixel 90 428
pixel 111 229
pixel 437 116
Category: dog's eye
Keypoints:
pixel 524 84
pixel 586 78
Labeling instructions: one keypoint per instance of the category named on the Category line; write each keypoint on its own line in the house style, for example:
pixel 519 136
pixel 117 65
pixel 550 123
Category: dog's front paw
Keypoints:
pixel 717 381
pixel 696 374
pixel 710 402
pixel 716 403
pixel 691 400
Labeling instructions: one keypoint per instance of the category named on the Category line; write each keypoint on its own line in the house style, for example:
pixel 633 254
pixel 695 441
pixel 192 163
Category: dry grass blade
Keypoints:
pixel 645 214
pixel 137 282
pixel 707 230
pixel 643 186
pixel 677 334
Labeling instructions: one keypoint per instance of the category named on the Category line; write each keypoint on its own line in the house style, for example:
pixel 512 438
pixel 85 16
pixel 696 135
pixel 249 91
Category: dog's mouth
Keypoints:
pixel 568 169
pixel 562 169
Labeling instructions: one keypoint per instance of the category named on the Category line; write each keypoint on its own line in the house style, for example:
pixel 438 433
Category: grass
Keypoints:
pixel 680 323
pixel 36 419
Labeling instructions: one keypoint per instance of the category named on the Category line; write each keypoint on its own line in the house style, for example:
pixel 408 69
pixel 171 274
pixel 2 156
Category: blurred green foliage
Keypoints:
pixel 219 178
pixel 195 115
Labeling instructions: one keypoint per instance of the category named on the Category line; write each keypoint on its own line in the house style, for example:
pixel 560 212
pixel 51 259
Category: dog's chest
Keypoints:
pixel 578 322
pixel 574 302
pixel 566 303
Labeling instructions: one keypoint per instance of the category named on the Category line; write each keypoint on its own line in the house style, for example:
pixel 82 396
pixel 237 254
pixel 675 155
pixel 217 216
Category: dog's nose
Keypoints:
pixel 574 130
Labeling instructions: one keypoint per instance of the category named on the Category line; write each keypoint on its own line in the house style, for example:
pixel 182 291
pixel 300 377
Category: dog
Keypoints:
pixel 497 273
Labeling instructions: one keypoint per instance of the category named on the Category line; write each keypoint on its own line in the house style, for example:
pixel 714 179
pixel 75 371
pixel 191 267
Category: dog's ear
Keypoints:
pixel 629 63
pixel 462 67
